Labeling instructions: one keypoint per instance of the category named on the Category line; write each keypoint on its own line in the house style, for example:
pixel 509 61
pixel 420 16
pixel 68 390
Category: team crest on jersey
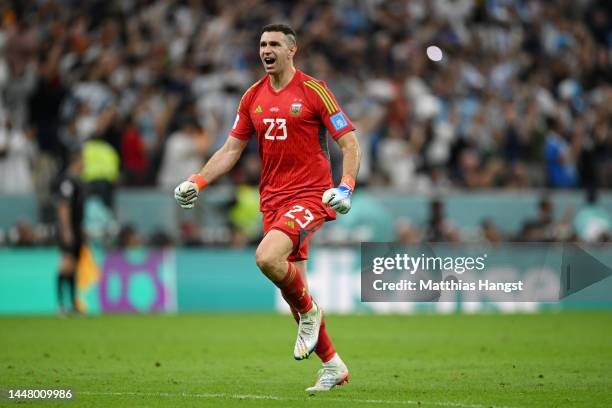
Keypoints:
pixel 296 109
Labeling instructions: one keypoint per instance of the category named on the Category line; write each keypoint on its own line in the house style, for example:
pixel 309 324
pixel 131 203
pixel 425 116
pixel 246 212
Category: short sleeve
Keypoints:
pixel 334 119
pixel 243 126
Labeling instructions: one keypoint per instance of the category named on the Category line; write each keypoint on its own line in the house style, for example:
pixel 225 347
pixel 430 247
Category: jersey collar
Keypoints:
pixel 293 80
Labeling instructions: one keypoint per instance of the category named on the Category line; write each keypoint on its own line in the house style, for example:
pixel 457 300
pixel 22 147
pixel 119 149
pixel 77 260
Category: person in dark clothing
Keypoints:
pixel 70 211
pixel 439 229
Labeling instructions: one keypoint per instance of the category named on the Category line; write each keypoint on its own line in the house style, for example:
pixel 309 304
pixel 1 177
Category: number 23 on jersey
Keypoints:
pixel 276 128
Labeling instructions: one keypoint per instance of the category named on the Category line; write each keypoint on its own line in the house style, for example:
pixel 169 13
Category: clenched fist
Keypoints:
pixel 339 199
pixel 186 194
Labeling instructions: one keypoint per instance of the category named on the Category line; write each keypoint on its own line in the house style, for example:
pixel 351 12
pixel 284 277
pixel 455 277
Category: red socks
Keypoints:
pixel 325 348
pixel 294 291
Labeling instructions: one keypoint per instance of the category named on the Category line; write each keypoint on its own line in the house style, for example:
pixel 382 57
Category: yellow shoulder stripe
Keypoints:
pixel 324 95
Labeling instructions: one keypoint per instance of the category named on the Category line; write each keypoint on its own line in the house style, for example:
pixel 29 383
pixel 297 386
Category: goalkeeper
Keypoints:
pixel 289 113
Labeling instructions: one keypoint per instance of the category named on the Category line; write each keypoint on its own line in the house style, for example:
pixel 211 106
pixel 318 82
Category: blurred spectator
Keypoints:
pixel 439 229
pixel 101 170
pixel 540 228
pixel 161 239
pixel 592 222
pixel 560 159
pixel 185 153
pixel 23 234
pixel 397 160
pixel 128 237
pixel 244 215
pixel 602 148
pixel 544 228
pixel 152 116
pixel 489 232
pixel 45 105
pixel 134 155
pixel 16 157
pixel 406 233
pixel 190 234
pixel 100 223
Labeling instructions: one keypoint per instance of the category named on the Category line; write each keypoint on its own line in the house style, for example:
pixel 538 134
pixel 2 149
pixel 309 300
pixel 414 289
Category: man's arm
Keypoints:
pixel 339 198
pixel 65 223
pixel 220 163
pixel 351 154
pixel 223 160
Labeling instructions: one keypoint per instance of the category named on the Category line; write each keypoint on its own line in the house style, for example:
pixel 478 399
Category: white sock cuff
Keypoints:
pixel 335 361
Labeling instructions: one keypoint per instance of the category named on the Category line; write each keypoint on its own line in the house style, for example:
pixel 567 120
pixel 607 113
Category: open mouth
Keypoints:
pixel 269 61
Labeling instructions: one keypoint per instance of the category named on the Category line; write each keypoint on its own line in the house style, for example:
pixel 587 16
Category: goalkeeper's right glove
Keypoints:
pixel 186 193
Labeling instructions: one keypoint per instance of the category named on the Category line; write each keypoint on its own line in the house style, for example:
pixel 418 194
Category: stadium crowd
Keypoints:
pixel 521 98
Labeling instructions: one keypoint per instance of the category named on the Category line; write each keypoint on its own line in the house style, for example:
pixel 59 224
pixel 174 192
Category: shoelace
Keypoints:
pixel 326 375
pixel 307 326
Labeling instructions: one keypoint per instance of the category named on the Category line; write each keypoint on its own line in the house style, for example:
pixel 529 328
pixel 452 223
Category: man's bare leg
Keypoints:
pixel 271 258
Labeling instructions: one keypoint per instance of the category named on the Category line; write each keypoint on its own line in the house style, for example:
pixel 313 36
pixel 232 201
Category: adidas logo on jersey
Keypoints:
pixel 258 109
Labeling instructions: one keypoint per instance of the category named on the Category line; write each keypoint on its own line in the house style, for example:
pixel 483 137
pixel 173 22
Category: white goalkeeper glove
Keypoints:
pixel 187 192
pixel 339 198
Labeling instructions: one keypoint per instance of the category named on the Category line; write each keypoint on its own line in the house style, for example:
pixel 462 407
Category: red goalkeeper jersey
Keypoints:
pixel 291 127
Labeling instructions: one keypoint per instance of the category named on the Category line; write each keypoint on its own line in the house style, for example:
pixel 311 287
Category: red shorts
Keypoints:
pixel 298 220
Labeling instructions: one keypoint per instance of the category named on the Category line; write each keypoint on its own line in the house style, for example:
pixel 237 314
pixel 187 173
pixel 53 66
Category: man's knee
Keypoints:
pixel 265 260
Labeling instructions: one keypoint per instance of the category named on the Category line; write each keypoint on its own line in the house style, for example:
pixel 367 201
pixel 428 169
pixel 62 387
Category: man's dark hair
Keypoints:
pixel 281 28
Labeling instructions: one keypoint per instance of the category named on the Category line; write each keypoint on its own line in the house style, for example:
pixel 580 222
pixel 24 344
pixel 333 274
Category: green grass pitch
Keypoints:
pixel 245 360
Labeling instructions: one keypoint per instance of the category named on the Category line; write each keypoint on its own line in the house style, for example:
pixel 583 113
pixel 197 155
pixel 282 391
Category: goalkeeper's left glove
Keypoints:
pixel 339 198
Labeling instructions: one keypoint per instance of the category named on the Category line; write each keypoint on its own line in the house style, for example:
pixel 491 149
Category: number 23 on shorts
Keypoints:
pixel 302 216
